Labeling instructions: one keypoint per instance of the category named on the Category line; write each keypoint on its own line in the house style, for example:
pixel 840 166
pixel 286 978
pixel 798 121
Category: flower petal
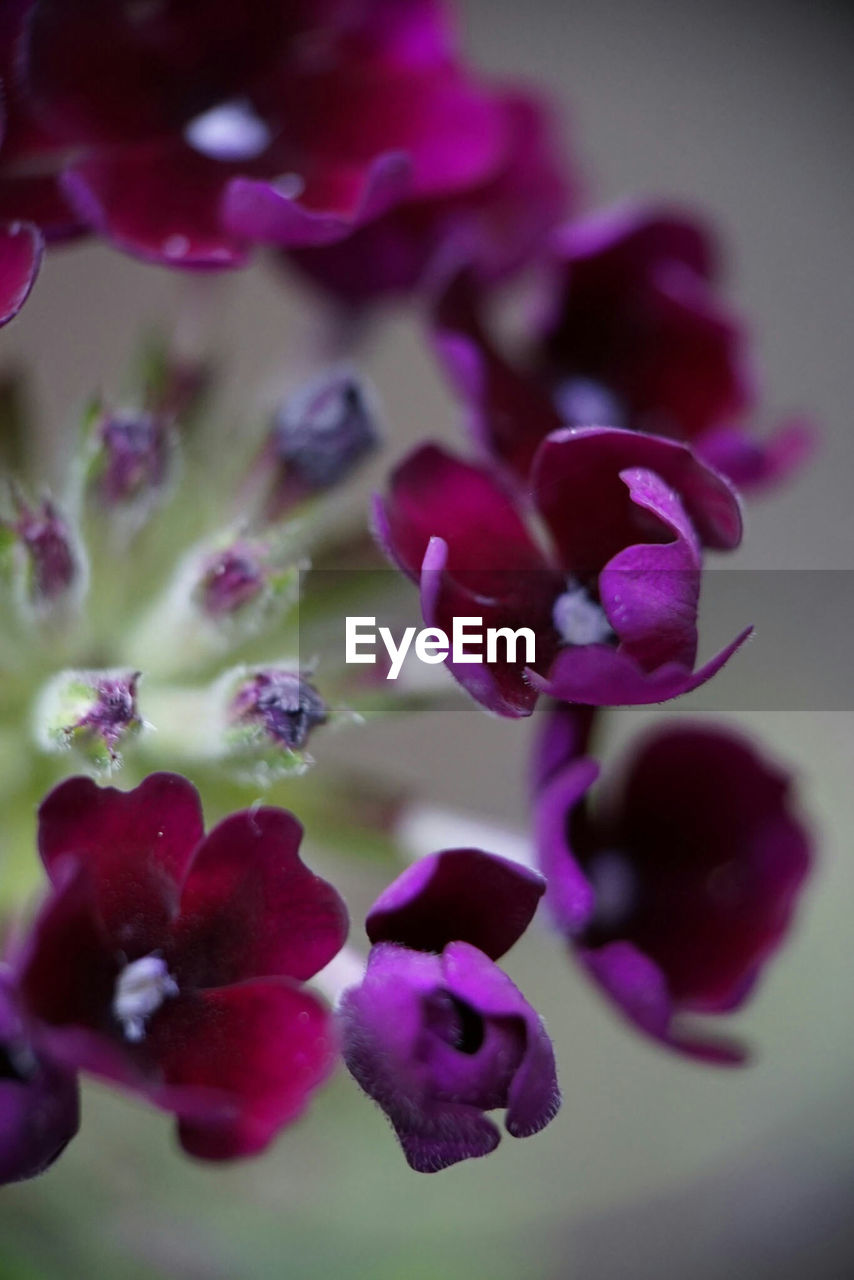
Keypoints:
pixel 603 677
pixel 578 490
pixel 21 249
pixel 135 846
pixel 457 895
pixel 256 1050
pixel 534 1097
pixel 250 907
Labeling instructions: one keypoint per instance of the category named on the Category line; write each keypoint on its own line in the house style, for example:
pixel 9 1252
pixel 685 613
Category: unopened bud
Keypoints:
pixel 93 711
pixel 270 715
pixel 319 436
pixel 131 464
pixel 232 579
pixel 51 562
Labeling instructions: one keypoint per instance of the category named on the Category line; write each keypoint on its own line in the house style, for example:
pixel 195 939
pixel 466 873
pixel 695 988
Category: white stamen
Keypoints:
pixel 580 620
pixel 230 131
pixel 141 988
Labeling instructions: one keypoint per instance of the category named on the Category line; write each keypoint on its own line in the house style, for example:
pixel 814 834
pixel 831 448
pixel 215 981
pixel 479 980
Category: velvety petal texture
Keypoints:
pixel 677 885
pixel 171 962
pixel 458 894
pixel 39 1104
pixel 437 1041
pixel 435 1033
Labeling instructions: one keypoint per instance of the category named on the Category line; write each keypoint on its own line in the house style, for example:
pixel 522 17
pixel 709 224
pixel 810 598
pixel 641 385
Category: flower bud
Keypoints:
pixel 232 579
pixel 93 711
pixel 319 437
pixel 270 715
pixel 51 562
pixel 133 453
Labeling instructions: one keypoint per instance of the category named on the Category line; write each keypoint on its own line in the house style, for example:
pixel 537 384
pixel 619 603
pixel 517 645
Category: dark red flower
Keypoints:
pixel 171 962
pixel 493 228
pixel 677 886
pixel 637 337
pixel 187 132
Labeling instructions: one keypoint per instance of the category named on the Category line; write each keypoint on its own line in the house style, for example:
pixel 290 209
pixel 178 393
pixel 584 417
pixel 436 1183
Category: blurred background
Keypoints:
pixel 655 1167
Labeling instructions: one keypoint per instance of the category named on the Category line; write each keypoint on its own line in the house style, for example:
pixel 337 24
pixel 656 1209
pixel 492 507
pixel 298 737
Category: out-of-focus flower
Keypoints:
pixel 612 609
pixel 171 962
pixel 132 452
pixel 436 1034
pixel 676 887
pixel 94 711
pixel 492 229
pixel 186 133
pixel 637 337
pixel 39 1103
pixel 50 562
pixel 318 438
pixel 21 249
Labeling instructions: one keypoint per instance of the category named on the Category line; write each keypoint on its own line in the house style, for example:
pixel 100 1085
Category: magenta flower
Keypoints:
pixel 39 1103
pixel 676 888
pixel 171 962
pixel 436 1034
pixel 493 228
pixel 637 337
pixel 186 133
pixel 612 607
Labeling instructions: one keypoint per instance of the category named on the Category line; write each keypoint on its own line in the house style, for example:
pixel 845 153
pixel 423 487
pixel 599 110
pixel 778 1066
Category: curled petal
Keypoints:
pixel 577 488
pixel 604 677
pixel 756 465
pixel 457 895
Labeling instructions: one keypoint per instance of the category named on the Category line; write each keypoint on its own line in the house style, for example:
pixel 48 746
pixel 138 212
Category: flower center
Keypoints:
pixel 615 883
pixel 581 402
pixel 579 619
pixel 141 988
pixel 229 131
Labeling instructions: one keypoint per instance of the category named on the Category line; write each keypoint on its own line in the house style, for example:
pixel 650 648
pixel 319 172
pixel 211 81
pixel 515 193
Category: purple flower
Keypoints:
pixel 493 228
pixel 171 962
pixel 186 133
pixel 39 1103
pixel 637 337
pixel 436 1034
pixel 677 886
pixel 232 578
pixel 612 606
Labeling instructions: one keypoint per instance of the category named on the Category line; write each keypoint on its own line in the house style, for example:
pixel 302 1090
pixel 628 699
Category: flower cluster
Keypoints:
pixel 160 607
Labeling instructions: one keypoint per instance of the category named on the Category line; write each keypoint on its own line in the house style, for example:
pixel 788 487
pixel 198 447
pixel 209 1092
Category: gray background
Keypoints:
pixel 655 1168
